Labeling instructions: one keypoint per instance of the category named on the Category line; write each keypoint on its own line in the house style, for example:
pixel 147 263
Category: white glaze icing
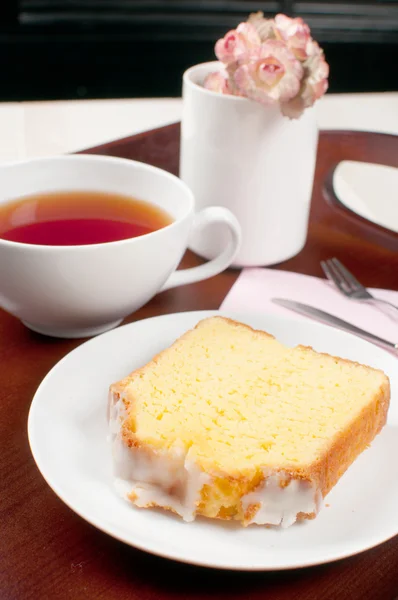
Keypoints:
pixel 281 505
pixel 171 480
pixel 168 479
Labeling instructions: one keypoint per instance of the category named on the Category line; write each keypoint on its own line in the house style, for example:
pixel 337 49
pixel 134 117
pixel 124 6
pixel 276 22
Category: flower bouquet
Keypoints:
pixel 271 61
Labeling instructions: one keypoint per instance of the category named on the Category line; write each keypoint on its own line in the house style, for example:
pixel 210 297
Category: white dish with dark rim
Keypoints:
pixel 369 190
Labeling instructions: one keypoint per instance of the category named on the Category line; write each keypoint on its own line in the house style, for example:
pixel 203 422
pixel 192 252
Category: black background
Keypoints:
pixel 58 49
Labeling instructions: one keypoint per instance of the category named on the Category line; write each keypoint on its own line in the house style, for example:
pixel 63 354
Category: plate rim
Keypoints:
pixel 170 555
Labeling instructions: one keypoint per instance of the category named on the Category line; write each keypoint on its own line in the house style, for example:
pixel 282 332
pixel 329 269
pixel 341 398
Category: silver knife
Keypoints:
pixel 320 315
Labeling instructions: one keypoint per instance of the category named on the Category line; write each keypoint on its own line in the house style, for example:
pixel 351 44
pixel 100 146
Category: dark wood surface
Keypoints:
pixel 47 552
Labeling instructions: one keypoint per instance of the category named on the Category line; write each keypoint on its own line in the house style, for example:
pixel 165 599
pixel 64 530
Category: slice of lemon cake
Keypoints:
pixel 230 423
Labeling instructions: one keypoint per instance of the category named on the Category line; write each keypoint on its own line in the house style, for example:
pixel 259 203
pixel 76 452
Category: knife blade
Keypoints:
pixel 324 317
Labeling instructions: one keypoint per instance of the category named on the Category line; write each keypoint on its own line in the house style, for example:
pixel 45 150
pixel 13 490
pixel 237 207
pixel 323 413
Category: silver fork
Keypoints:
pixel 348 285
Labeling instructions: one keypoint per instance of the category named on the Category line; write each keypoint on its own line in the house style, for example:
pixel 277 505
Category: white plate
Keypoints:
pixel 67 433
pixel 369 190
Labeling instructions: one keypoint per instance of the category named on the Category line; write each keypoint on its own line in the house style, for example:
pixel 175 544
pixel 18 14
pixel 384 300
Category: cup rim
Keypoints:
pixel 101 158
pixel 187 79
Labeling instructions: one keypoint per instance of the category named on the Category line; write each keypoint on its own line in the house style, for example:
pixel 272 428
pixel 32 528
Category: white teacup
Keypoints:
pixel 78 291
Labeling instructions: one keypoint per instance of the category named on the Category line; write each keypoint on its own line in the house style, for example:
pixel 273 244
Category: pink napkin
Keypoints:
pixel 254 289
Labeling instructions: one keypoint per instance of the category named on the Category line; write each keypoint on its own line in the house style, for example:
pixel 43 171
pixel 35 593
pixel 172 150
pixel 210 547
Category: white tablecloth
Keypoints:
pixel 30 129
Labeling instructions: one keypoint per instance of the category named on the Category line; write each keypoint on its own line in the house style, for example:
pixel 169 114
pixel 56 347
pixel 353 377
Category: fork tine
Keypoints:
pixel 330 272
pixel 335 266
pixel 326 270
pixel 338 276
pixel 352 281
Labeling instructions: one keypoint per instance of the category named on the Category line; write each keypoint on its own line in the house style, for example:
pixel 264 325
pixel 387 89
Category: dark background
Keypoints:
pixel 58 49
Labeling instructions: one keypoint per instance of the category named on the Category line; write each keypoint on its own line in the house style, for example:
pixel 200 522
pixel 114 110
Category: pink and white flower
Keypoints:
pixel 263 26
pixel 236 43
pixel 271 60
pixel 316 82
pixel 269 73
pixel 295 33
pixel 217 82
pixel 313 85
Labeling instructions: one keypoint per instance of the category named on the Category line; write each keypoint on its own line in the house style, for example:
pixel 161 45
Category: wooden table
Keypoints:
pixel 49 553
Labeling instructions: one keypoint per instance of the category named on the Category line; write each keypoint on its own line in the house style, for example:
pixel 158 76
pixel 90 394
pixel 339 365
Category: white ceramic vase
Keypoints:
pixel 249 158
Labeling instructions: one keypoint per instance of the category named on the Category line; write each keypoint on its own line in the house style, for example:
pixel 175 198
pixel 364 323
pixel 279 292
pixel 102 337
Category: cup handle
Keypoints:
pixel 212 214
